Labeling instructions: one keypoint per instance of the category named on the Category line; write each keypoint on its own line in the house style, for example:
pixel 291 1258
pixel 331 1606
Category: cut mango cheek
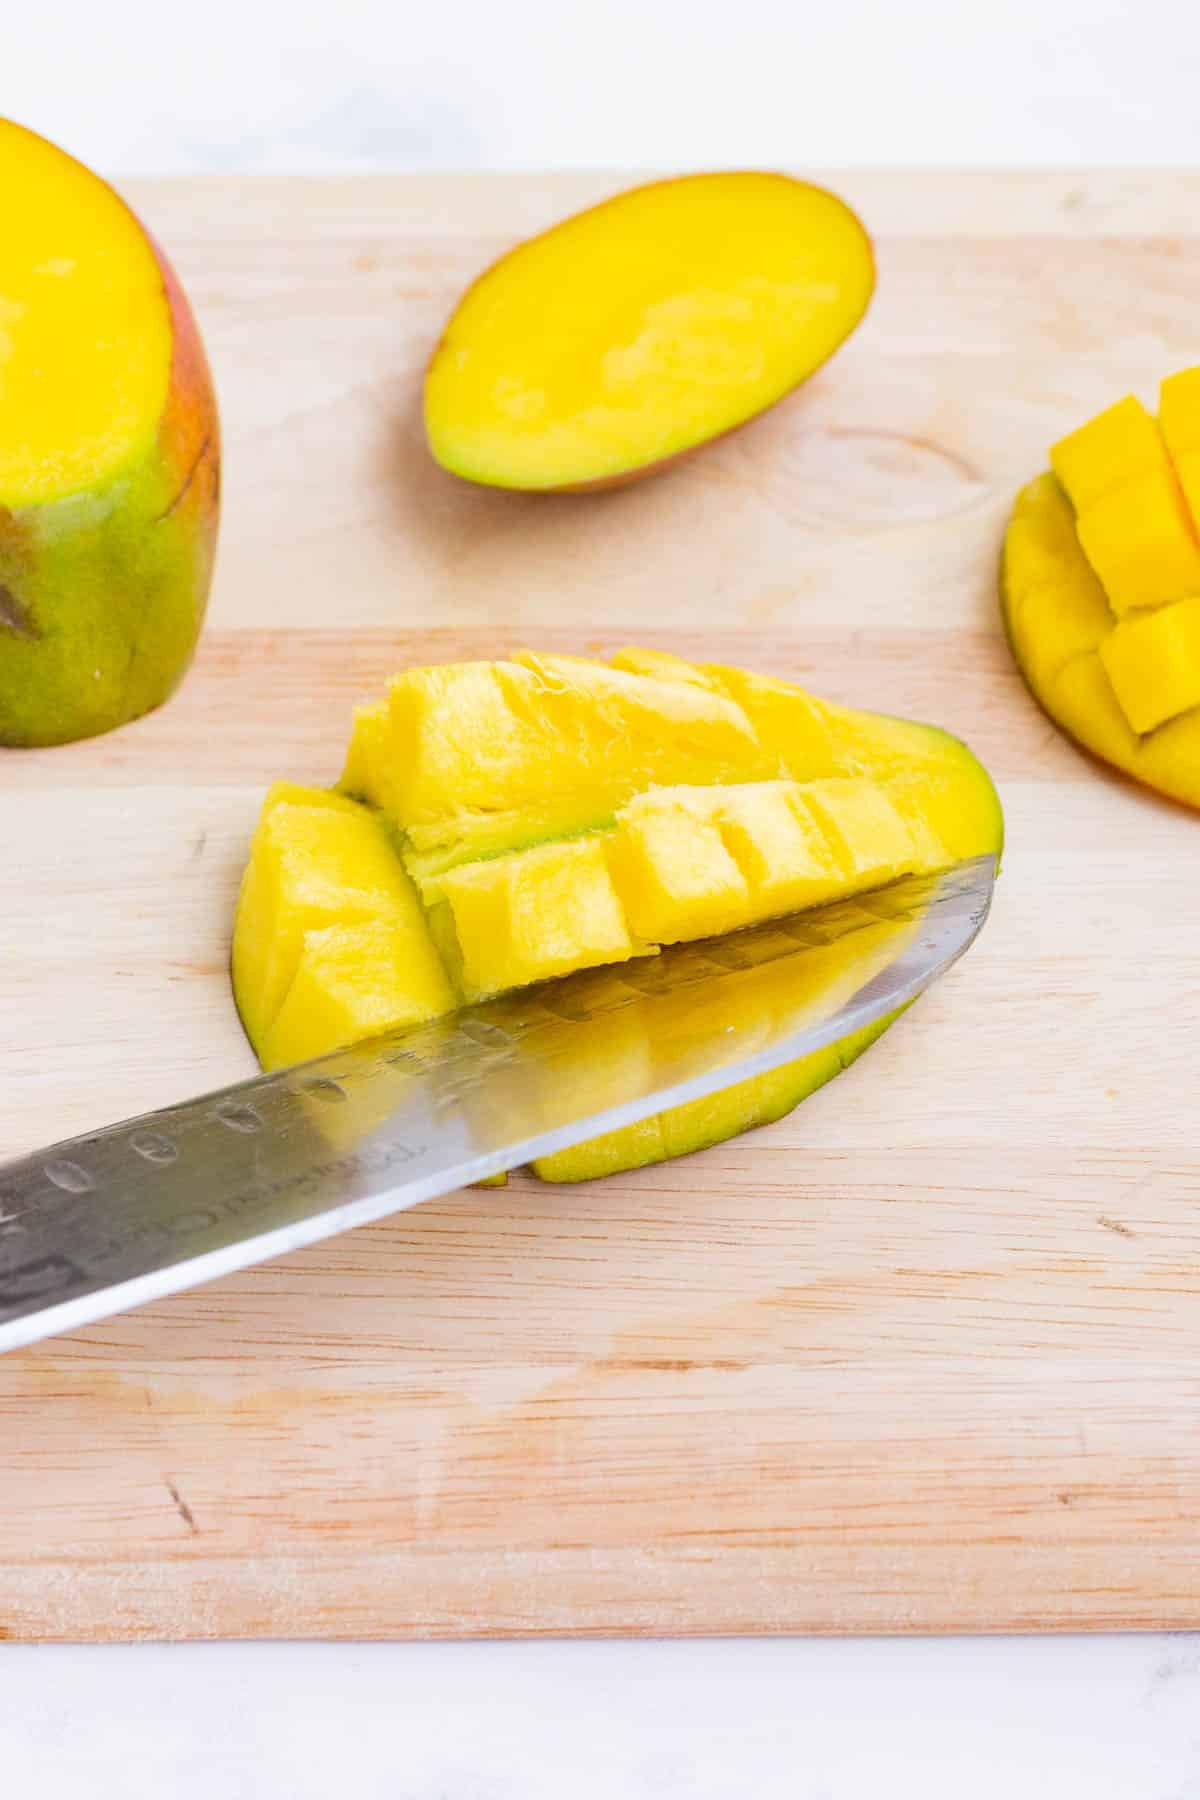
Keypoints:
pixel 1154 664
pixel 643 327
pixel 1141 543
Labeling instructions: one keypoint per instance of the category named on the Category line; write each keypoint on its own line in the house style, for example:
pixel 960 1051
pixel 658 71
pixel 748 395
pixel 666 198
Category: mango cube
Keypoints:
pixel 1179 410
pixel 1141 542
pixel 368 755
pixel 1118 446
pixel 353 982
pixel 1179 419
pixel 315 865
pixel 536 914
pixel 868 836
pixel 791 725
pixel 1153 663
pixel 673 873
pixel 785 857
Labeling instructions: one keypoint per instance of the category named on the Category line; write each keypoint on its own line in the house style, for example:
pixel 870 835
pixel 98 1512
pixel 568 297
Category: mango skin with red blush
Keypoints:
pixel 104 570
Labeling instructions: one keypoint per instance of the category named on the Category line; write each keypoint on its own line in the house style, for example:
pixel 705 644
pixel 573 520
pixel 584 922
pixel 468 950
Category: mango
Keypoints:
pixel 1153 663
pixel 514 821
pixel 109 456
pixel 1100 587
pixel 632 333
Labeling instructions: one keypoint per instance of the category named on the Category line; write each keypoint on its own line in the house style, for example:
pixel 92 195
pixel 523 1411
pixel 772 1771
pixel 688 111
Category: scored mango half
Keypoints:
pixel 500 824
pixel 1100 587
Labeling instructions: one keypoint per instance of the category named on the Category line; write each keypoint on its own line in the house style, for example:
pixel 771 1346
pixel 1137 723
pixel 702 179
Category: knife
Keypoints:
pixel 108 1221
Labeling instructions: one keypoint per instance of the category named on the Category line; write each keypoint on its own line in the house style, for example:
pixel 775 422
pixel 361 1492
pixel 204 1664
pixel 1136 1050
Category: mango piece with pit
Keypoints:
pixel 605 811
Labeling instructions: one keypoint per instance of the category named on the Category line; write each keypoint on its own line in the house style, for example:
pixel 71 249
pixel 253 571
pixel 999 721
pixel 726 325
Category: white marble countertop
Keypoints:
pixel 1113 1718
pixel 138 88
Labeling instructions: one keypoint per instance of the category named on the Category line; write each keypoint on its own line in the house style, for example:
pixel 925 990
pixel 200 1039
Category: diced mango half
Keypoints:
pixel 1119 688
pixel 1153 662
pixel 1102 602
pixel 546 814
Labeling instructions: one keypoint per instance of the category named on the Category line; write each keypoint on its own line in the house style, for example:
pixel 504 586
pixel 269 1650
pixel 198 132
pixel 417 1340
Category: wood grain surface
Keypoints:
pixel 925 1355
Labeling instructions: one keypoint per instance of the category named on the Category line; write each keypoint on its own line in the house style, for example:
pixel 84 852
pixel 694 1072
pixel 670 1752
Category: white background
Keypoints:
pixel 231 85
pixel 159 86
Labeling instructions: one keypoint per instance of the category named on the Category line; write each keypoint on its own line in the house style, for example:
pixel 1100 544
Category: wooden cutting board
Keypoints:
pixel 925 1355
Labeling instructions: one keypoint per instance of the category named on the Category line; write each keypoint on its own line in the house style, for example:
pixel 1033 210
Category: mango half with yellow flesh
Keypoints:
pixel 504 823
pixel 108 456
pixel 1100 587
pixel 633 332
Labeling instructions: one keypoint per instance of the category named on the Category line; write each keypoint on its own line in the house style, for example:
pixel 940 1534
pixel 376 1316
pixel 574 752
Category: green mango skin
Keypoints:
pixel 700 1124
pixel 977 828
pixel 103 593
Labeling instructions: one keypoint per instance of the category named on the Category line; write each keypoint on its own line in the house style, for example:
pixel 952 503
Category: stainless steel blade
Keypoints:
pixel 140 1210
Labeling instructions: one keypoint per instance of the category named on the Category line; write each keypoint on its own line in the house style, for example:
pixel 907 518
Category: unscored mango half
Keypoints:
pixel 1100 587
pixel 632 333
pixel 501 824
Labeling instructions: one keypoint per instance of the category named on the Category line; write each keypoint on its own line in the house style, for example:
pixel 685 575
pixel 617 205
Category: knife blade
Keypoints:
pixel 105 1222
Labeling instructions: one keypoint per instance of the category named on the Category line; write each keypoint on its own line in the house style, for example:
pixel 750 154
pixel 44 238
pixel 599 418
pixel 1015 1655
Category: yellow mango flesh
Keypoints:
pixel 634 331
pixel 85 330
pixel 1119 445
pixel 335 940
pixel 1102 597
pixel 1179 421
pixel 1132 519
pixel 354 981
pixel 318 861
pixel 1141 542
pixel 1153 663
pixel 535 914
pixel 1057 625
